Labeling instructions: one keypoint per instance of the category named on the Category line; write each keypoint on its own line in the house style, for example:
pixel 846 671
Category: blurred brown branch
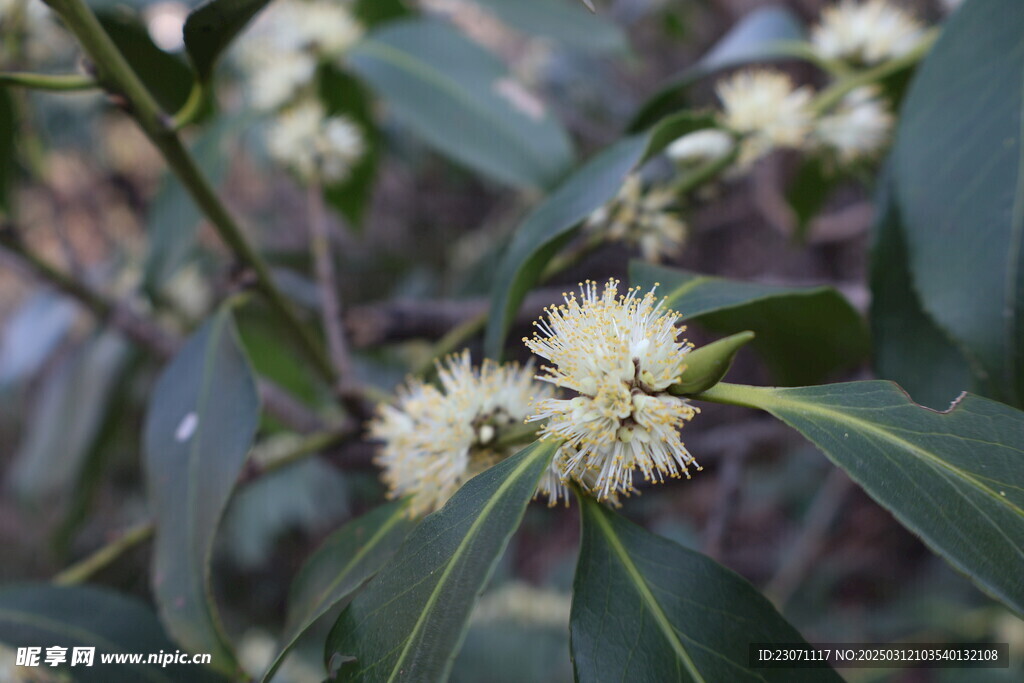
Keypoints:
pixel 141 329
pixel 403 320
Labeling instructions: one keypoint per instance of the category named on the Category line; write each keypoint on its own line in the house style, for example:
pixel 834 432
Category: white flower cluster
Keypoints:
pixel 315 145
pixel 866 32
pixel 764 107
pixel 280 55
pixel 435 439
pixel 767 111
pixel 618 354
pixel 643 218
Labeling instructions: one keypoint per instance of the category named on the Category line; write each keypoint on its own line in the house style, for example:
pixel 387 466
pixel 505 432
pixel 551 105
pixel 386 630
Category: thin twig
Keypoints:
pixel 81 571
pixel 50 82
pixel 327 284
pixel 144 331
pixel 798 558
pixel 116 75
pixel 104 556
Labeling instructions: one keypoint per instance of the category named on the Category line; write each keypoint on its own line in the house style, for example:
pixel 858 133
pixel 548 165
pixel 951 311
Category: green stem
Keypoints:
pixel 803 50
pixel 117 75
pixel 705 172
pixel 455 338
pixel 86 568
pixel 82 571
pixel 190 111
pixel 309 445
pixel 736 395
pixel 832 95
pixel 51 82
pixel 458 335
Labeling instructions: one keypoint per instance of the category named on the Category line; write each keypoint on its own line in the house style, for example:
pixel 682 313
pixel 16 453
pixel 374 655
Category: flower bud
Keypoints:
pixel 706 366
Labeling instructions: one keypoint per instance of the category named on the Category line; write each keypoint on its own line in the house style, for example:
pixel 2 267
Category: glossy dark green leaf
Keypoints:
pixel 551 223
pixel 908 347
pixel 8 132
pixel 461 100
pixel 274 354
pixel 42 615
pixel 199 427
pixel 343 94
pixel 212 26
pixel 761 36
pixel 647 609
pixel 346 559
pixel 960 189
pixel 63 427
pixel 166 76
pixel 561 22
pixel 410 619
pixel 173 220
pixel 955 478
pixel 803 334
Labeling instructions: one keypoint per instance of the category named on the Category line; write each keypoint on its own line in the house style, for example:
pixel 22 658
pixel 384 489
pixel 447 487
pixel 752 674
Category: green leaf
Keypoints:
pixel 560 22
pixel 346 559
pixel 199 428
pixel 212 26
pixel 173 220
pixel 959 172
pixel 461 100
pixel 411 618
pixel 955 478
pixel 803 333
pixel 809 190
pixel 761 36
pixel 8 164
pixel 166 76
pixel 909 348
pixel 647 609
pixel 275 355
pixel 343 94
pixel 49 461
pixel 373 12
pixel 42 615
pixel 551 223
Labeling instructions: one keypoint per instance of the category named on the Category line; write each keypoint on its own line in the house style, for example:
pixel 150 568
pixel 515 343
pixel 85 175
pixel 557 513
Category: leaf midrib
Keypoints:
pixel 203 575
pixel 319 608
pixel 511 479
pixel 664 625
pixel 921 453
